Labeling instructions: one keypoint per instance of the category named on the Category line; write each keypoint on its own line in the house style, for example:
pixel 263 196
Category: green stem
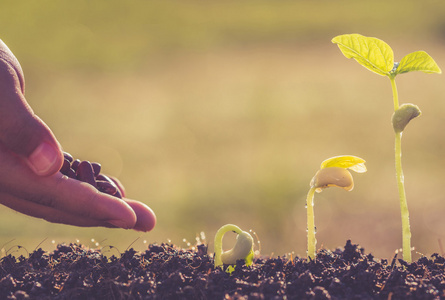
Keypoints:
pixel 311 241
pixel 406 231
pixel 395 95
pixel 218 242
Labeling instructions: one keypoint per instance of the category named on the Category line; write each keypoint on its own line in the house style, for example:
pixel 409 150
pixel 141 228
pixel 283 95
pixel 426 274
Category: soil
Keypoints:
pixel 169 272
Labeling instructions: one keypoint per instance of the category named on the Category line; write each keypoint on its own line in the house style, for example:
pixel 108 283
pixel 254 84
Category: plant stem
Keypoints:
pixel 395 95
pixel 311 241
pixel 218 241
pixel 406 231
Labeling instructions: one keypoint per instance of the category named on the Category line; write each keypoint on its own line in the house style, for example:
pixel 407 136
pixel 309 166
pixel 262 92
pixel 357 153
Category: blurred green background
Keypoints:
pixel 221 112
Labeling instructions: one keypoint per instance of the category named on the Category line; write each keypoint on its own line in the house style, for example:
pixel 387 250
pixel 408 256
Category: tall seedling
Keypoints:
pixel 377 56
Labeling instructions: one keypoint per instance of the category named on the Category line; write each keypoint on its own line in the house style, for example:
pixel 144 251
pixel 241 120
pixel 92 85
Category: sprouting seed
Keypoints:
pixel 333 172
pixel 243 248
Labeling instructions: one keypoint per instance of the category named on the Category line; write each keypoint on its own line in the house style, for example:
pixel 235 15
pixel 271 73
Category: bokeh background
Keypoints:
pixel 216 112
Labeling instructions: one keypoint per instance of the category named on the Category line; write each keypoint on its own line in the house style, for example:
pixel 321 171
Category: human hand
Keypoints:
pixel 30 158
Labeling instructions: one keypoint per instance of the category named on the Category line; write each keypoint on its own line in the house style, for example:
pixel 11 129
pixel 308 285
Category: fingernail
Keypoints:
pixel 43 158
pixel 119 223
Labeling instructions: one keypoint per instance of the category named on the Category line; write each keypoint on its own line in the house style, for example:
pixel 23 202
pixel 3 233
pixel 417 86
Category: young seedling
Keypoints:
pixel 243 248
pixel 333 172
pixel 377 56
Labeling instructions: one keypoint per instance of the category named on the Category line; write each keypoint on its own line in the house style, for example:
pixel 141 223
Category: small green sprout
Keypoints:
pixel 243 248
pixel 333 172
pixel 377 56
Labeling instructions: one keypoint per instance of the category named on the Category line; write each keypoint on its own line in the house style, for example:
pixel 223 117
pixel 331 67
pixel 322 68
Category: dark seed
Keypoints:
pixel 75 164
pixel 119 185
pixel 103 177
pixel 106 187
pixel 96 168
pixel 90 173
pixel 67 156
pixel 107 179
pixel 65 167
pixel 118 194
pixel 71 174
pixel 85 173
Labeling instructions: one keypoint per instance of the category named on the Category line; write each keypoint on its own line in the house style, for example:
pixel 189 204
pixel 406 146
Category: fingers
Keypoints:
pixel 20 129
pixel 80 199
pixel 47 213
pixel 60 193
pixel 146 219
pixel 60 199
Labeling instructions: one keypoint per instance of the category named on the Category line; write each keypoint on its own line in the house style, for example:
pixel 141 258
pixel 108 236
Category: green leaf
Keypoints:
pixel 249 258
pixel 230 269
pixel 418 61
pixel 354 163
pixel 372 53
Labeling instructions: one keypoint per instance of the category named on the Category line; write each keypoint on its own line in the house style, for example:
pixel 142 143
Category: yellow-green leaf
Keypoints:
pixel 372 53
pixel 249 258
pixel 353 163
pixel 418 61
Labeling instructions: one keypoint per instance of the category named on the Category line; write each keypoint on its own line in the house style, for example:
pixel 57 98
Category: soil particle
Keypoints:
pixel 169 272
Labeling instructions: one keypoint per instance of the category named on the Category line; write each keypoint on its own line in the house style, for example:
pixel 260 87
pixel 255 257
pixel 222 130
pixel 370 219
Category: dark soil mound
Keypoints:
pixel 168 272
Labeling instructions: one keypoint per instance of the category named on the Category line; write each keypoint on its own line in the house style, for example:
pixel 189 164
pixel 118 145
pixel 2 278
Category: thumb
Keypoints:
pixel 21 130
pixel 43 152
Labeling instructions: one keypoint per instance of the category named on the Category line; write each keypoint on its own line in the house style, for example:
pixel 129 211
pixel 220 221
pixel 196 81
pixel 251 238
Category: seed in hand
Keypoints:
pixel 90 172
